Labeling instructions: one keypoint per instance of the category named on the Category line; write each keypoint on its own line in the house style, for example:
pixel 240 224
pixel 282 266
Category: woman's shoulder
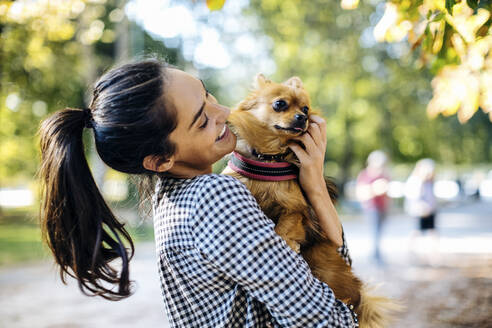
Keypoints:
pixel 216 184
pixel 210 180
pixel 218 179
pixel 205 185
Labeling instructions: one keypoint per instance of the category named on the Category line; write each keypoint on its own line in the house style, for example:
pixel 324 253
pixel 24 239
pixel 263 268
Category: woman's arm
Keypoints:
pixel 311 177
pixel 327 214
pixel 236 238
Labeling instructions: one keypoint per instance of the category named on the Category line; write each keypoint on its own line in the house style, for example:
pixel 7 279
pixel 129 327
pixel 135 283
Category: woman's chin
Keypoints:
pixel 228 145
pixel 232 144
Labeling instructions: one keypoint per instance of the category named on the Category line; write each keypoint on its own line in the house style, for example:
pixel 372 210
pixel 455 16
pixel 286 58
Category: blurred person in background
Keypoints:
pixel 421 203
pixel 371 190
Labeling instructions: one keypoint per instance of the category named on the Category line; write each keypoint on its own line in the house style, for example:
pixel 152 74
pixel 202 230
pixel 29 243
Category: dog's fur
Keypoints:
pixel 258 126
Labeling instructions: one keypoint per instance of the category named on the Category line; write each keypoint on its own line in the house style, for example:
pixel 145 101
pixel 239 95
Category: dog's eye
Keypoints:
pixel 305 109
pixel 280 105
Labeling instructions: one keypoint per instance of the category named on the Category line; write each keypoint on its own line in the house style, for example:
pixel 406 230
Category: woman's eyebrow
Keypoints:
pixel 200 111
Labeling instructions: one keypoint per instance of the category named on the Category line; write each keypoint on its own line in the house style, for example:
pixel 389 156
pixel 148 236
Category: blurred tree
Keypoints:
pixel 454 39
pixel 51 51
pixel 371 94
pixel 39 67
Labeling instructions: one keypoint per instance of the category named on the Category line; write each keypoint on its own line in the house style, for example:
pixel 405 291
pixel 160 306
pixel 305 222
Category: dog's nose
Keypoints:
pixel 300 118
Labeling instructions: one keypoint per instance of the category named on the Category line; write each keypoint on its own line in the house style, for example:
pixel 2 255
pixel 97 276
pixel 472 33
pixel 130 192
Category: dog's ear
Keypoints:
pixel 294 82
pixel 261 81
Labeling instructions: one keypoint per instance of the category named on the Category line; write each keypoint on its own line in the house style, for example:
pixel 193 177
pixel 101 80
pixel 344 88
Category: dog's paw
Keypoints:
pixel 296 247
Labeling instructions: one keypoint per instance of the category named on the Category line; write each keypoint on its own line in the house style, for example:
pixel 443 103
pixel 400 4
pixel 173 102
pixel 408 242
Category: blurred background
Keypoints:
pixel 412 79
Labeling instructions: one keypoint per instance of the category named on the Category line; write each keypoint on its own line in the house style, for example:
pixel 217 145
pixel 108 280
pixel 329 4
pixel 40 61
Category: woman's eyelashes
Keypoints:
pixel 209 98
pixel 204 123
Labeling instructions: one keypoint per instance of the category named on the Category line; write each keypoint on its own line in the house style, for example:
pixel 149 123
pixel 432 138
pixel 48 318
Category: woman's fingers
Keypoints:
pixel 315 132
pixel 314 142
pixel 308 142
pixel 299 151
pixel 321 123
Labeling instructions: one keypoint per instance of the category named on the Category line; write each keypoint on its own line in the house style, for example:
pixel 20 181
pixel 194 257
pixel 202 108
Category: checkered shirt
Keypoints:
pixel 221 264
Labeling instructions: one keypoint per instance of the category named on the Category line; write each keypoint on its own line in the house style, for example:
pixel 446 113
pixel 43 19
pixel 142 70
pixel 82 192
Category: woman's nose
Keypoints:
pixel 222 113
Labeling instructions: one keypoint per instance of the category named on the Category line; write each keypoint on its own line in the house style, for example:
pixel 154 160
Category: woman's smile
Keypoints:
pixel 224 133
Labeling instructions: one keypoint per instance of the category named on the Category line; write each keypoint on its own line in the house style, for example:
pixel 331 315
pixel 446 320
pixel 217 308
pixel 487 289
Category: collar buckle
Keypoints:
pixel 270 157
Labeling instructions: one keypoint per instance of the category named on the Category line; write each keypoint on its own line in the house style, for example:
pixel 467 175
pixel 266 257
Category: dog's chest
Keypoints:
pixel 274 197
pixel 277 198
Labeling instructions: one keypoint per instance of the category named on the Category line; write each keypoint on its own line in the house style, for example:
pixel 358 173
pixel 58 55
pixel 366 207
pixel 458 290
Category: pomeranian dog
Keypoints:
pixel 270 116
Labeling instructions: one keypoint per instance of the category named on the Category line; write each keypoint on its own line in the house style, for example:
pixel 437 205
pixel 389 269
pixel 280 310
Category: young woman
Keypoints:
pixel 421 203
pixel 220 262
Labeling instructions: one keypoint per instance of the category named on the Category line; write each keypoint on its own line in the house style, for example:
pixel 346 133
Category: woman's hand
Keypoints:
pixel 312 179
pixel 312 158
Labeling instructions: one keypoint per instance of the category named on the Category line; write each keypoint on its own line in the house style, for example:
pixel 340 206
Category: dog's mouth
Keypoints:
pixel 289 129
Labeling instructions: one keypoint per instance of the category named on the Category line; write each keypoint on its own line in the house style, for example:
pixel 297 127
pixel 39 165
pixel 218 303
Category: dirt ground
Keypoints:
pixel 455 294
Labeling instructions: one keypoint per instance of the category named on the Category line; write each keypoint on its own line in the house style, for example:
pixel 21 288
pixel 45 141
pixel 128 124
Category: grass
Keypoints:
pixel 20 237
pixel 20 242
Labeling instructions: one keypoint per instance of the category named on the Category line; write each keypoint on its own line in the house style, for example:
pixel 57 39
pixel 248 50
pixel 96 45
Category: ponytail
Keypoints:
pixel 76 222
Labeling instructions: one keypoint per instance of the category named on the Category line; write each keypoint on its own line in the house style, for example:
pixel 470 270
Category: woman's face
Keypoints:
pixel 201 135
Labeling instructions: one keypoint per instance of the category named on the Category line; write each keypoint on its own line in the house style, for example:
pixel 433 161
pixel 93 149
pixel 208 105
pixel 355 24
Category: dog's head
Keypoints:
pixel 272 114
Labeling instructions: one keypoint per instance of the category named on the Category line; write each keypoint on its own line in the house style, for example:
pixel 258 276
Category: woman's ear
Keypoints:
pixel 157 164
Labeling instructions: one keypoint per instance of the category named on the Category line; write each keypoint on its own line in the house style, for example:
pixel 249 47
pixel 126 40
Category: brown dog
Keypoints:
pixel 264 122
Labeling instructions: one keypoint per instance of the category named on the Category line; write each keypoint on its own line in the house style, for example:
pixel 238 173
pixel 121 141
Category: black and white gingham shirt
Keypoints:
pixel 221 264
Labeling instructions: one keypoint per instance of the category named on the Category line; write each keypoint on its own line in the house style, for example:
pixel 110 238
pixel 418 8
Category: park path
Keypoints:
pixel 34 297
pixel 456 292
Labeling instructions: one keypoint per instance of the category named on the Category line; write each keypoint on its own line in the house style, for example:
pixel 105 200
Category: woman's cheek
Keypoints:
pixel 210 137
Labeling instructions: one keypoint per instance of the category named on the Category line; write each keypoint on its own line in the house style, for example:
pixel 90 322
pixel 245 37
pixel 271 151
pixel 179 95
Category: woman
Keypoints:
pixel 220 262
pixel 421 203
pixel 420 200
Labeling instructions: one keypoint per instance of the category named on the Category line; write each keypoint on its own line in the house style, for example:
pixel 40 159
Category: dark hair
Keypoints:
pixel 130 120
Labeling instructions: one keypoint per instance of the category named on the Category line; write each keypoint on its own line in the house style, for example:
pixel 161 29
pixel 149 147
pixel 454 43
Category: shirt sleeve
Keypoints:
pixel 344 251
pixel 236 237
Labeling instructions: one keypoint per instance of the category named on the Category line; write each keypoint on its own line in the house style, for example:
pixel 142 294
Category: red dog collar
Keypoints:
pixel 277 171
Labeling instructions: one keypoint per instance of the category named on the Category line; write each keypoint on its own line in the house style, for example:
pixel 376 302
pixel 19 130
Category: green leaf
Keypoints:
pixel 449 5
pixel 215 4
pixel 485 4
pixel 473 4
pixel 428 40
pixel 438 17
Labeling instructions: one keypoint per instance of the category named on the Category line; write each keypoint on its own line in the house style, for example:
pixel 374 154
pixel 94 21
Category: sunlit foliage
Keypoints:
pixel 39 64
pixel 374 95
pixel 454 39
pixel 50 53
pixel 215 4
